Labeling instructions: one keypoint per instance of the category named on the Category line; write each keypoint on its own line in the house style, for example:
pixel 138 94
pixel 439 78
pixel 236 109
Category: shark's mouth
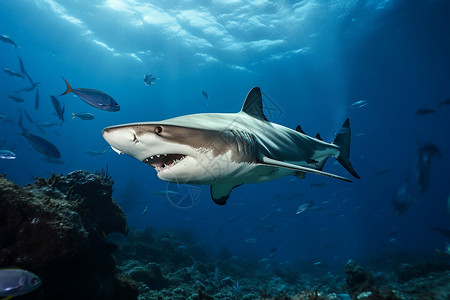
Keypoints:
pixel 163 161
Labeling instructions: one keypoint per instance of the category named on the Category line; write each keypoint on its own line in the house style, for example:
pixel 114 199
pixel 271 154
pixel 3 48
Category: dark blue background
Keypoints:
pixel 396 56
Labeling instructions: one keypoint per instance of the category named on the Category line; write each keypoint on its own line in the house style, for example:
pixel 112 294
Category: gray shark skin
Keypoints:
pixel 225 150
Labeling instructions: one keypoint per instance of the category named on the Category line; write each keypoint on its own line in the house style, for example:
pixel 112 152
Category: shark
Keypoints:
pixel 226 150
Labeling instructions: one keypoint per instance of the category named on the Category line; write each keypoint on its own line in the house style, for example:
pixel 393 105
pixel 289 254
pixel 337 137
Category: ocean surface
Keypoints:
pixel 312 59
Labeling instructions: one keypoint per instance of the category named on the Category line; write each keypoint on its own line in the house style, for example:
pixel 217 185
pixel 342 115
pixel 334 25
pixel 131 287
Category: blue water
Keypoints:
pixel 312 58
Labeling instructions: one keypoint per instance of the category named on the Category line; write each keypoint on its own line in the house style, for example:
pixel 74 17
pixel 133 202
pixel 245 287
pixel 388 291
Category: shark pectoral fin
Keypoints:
pixel 281 164
pixel 221 192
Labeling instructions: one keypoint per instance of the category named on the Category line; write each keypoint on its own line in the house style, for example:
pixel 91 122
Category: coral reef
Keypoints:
pixel 55 227
pixel 60 229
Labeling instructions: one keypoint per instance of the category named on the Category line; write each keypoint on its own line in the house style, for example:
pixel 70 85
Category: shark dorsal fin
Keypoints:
pixel 253 104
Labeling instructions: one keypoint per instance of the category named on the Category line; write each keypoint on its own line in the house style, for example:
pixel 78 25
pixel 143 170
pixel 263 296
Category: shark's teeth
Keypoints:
pixel 116 150
pixel 163 161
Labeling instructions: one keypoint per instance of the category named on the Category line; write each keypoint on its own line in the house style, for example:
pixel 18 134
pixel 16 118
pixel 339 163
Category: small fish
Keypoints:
pixel 149 79
pixel 94 98
pixel 15 282
pixel 48 124
pixel 27 115
pixel 205 95
pixel 40 144
pixel 7 154
pixel 27 89
pixel 168 193
pixel 445 102
pixel 425 111
pixel 3 117
pixel 96 152
pixel 145 211
pixel 57 106
pixel 359 104
pixel 251 240
pixel 317 263
pixel 402 199
pixel 7 39
pixel 382 172
pixel 13 73
pixel 272 252
pixel 15 98
pixel 303 207
pixel 24 72
pixel 36 100
pixel 83 116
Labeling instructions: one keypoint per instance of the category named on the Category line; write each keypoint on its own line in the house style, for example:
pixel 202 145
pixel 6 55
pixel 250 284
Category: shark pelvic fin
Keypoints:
pixel 342 140
pixel 253 104
pixel 221 192
pixel 281 164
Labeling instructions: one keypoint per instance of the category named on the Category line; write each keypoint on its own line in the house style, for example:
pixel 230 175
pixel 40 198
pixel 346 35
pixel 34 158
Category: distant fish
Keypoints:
pixel 94 98
pixel 27 89
pixel 36 100
pixel 15 282
pixel 17 99
pixel 13 73
pixel 7 154
pixel 168 193
pixel 96 152
pixel 144 212
pixel 7 39
pixel 83 116
pixel 27 115
pixel 3 117
pixel 251 240
pixel 402 199
pixel 303 207
pixel 272 252
pixel 445 102
pixel 205 95
pixel 382 172
pixel 425 111
pixel 149 79
pixel 24 72
pixel 423 165
pixel 317 184
pixel 359 104
pixel 58 109
pixel 48 124
pixel 443 231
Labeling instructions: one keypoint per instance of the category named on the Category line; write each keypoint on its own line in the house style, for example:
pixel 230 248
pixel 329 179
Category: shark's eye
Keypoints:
pixel 158 129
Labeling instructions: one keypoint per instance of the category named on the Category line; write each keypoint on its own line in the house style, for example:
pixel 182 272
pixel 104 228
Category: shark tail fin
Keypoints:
pixel 68 89
pixel 342 140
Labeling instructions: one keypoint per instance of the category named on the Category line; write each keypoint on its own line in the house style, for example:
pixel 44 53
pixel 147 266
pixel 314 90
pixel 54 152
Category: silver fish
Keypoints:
pixel 15 282
pixel 13 73
pixel 303 207
pixel 7 154
pixel 7 39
